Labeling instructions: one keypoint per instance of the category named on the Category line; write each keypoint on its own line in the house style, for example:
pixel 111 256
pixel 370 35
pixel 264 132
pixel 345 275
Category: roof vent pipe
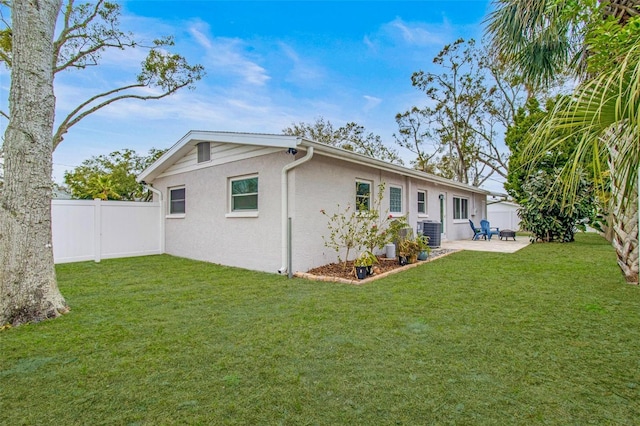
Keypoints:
pixel 284 183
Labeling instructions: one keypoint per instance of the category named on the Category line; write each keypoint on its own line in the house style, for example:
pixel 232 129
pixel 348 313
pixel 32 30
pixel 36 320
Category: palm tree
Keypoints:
pixel 544 39
pixel 603 116
pixel 535 38
pixel 602 113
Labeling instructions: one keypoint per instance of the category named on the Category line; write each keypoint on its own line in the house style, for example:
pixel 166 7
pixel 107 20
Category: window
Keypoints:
pixel 422 202
pixel 177 200
pixel 363 195
pixel 204 152
pixel 460 208
pixel 244 194
pixel 395 199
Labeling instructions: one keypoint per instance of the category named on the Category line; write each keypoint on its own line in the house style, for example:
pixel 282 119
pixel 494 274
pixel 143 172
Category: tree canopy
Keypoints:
pixel 351 136
pixel 111 177
pixel 88 30
pixel 467 104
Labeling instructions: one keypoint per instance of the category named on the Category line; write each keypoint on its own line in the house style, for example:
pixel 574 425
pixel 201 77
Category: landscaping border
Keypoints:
pixel 324 278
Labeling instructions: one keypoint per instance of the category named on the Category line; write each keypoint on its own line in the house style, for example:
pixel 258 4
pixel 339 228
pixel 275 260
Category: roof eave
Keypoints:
pixel 342 154
pixel 193 137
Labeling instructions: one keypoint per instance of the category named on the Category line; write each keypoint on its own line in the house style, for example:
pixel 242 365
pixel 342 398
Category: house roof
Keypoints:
pixel 191 139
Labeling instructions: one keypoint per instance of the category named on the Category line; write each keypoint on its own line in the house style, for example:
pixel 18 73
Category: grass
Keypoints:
pixel 550 335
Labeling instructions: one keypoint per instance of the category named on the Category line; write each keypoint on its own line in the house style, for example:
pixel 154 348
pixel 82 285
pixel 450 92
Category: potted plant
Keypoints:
pixel 423 247
pixel 407 251
pixel 363 264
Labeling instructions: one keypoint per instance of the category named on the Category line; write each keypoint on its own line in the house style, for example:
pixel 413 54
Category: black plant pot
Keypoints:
pixel 361 272
pixel 403 260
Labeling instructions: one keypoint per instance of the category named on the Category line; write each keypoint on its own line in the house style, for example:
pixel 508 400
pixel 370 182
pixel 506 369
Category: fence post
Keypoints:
pixel 97 229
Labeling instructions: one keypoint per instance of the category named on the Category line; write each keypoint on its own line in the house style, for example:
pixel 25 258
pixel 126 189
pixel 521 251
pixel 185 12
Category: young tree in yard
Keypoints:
pixel 351 137
pixel 30 48
pixel 360 227
pixel 111 177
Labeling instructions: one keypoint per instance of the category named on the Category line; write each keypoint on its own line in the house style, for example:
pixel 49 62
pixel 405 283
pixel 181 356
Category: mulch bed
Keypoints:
pixel 338 270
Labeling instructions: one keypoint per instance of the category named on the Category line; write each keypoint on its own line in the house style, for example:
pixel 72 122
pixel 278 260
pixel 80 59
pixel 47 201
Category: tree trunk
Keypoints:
pixel 28 288
pixel 624 212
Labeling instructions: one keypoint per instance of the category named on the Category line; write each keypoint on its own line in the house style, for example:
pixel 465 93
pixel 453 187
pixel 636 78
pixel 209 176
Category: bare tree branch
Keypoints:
pixel 75 116
pixel 87 31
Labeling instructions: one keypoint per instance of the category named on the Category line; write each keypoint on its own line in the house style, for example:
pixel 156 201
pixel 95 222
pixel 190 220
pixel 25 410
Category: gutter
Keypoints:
pixel 284 183
pixel 352 157
pixel 162 210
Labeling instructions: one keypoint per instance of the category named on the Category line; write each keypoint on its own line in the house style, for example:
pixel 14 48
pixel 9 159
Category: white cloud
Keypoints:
pixel 195 29
pixel 372 102
pixel 227 56
pixel 302 71
pixel 416 34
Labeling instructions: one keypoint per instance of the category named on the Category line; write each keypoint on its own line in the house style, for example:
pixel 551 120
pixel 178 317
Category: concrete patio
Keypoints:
pixel 493 245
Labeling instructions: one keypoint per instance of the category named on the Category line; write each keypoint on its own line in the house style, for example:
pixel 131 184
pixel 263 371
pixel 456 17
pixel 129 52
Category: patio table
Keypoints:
pixel 507 233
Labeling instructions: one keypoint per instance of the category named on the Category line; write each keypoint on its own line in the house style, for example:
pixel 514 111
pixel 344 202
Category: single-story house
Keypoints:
pixel 254 200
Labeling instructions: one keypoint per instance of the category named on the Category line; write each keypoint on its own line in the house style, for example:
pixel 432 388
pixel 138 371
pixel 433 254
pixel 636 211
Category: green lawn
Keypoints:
pixel 549 335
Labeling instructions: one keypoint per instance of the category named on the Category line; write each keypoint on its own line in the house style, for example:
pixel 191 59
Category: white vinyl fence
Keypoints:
pixel 95 229
pixel 503 215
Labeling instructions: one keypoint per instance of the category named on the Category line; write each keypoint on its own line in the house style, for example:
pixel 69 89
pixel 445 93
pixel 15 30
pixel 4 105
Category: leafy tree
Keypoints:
pixel 34 51
pixel 549 218
pixel 599 44
pixel 352 137
pixel 455 136
pixel 525 122
pixel 111 177
pixel 415 134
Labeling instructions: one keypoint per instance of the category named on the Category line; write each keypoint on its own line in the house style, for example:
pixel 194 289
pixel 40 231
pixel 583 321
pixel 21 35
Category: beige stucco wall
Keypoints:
pixel 325 183
pixel 205 233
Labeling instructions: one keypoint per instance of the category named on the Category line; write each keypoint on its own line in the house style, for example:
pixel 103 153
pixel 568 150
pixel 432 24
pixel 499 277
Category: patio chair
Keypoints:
pixel 487 229
pixel 477 232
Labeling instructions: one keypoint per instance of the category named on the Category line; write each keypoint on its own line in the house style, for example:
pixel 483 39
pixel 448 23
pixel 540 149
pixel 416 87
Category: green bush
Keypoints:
pixel 547 216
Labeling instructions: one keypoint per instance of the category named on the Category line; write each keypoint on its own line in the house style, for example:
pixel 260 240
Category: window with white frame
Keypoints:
pixel 204 152
pixel 422 202
pixel 244 193
pixel 177 200
pixel 395 199
pixel 363 195
pixel 460 208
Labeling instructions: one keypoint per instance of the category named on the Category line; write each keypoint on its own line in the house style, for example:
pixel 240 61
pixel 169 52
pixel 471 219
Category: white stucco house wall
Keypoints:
pixel 229 198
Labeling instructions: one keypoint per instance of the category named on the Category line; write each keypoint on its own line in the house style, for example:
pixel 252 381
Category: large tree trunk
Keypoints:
pixel 28 288
pixel 624 212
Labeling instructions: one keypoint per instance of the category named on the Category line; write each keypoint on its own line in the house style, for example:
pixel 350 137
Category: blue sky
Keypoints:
pixel 268 65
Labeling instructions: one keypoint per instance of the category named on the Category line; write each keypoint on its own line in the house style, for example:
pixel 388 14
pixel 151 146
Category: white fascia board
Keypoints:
pixel 343 154
pixel 191 139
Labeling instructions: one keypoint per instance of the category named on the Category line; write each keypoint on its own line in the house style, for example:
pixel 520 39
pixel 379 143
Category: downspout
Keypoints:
pixel 162 210
pixel 284 183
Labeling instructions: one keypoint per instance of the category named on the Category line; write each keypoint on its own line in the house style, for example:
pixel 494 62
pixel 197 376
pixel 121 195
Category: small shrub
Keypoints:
pixel 354 229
